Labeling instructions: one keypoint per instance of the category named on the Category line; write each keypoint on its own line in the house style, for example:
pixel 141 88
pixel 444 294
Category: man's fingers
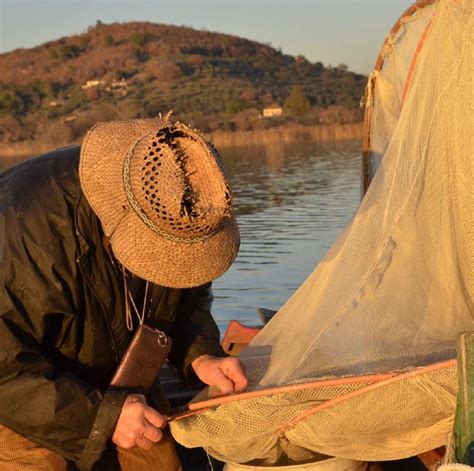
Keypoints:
pixel 154 417
pixel 153 433
pixel 138 424
pixel 234 372
pixel 224 384
pixel 143 442
pixel 240 384
pixel 132 398
pixel 225 373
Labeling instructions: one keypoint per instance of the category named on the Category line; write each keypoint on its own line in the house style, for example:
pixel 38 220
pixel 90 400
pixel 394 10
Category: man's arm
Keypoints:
pixel 44 404
pixel 194 331
pixel 196 341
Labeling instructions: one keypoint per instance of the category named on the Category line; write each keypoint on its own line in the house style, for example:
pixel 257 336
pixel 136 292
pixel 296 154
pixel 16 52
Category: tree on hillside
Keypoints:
pixel 84 42
pixel 297 104
pixel 109 41
pixel 234 106
pixel 249 95
pixel 68 51
pixel 301 60
pixel 11 102
pixel 138 40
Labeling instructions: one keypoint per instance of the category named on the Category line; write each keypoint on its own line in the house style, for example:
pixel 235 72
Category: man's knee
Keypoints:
pixel 20 454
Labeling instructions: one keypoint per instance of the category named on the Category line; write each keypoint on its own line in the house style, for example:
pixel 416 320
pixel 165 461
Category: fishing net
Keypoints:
pixel 359 363
pixel 390 80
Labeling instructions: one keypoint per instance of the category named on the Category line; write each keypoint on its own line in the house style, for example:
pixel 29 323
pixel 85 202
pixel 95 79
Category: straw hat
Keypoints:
pixel 163 200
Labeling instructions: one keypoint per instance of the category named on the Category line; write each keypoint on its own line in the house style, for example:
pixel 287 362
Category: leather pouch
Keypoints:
pixel 143 360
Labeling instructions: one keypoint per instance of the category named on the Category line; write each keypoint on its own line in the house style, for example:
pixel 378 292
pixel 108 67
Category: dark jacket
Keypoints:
pixel 62 321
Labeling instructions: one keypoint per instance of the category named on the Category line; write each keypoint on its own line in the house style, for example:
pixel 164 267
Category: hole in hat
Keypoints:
pixel 154 144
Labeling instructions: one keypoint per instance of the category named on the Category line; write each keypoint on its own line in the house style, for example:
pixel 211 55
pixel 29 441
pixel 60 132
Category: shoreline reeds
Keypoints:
pixel 282 134
pixel 288 134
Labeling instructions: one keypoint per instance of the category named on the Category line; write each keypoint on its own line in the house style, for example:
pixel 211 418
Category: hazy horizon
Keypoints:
pixel 333 32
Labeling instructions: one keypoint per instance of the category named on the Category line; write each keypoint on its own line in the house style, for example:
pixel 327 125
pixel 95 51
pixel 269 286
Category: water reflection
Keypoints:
pixel 292 201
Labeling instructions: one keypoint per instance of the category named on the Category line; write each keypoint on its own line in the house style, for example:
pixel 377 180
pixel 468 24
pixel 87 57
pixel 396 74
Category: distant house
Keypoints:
pixel 271 111
pixel 119 84
pixel 56 103
pixel 118 87
pixel 92 84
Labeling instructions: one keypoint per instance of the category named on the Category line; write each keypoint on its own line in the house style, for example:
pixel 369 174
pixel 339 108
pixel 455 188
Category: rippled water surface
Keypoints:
pixel 292 201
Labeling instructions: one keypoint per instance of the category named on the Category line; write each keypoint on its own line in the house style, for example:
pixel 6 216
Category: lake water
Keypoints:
pixel 292 201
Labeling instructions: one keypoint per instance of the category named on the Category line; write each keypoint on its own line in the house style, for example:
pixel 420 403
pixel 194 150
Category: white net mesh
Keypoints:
pixel 399 54
pixel 391 295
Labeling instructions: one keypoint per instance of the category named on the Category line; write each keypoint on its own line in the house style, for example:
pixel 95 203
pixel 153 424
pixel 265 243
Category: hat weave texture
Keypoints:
pixel 162 197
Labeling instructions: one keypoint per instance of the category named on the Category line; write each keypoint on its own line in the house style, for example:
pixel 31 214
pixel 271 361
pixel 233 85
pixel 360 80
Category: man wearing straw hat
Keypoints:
pixel 132 227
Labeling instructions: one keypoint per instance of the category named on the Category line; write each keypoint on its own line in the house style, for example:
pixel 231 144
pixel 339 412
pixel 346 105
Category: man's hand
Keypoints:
pixel 138 424
pixel 225 373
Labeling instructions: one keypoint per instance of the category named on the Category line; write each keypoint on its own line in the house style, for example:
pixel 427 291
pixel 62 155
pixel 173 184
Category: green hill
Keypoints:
pixel 214 81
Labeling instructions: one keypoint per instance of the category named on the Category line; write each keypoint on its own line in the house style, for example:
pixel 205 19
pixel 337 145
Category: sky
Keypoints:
pixel 330 31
